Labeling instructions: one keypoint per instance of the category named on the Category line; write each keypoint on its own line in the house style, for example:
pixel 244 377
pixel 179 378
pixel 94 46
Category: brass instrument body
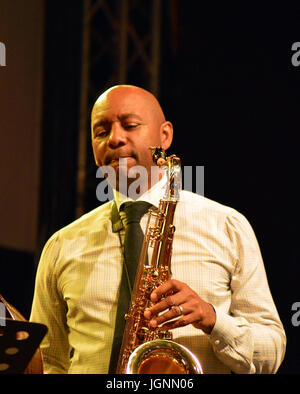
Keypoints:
pixel 148 277
pixel 144 349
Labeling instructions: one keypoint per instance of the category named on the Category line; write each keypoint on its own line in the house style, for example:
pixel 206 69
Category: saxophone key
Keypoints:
pixel 142 333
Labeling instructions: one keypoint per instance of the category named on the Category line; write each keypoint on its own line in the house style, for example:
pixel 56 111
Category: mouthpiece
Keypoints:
pixel 158 156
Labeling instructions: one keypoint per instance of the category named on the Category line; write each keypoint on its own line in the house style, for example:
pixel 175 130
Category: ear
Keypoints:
pixel 166 134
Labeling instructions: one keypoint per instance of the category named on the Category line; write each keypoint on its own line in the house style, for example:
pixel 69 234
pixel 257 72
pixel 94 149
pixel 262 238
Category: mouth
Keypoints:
pixel 121 160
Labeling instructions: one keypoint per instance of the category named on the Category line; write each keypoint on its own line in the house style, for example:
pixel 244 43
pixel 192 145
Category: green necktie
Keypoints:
pixel 132 248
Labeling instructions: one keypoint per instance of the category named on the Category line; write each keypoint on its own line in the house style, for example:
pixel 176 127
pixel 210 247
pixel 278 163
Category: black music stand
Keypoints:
pixel 18 343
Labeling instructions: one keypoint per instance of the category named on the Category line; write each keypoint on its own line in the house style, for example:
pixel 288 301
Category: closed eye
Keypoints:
pixel 101 128
pixel 100 133
pixel 129 126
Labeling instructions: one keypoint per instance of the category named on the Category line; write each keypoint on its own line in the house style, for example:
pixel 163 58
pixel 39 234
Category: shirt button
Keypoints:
pixel 217 342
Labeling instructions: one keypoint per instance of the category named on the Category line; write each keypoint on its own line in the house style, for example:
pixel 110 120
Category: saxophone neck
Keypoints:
pixel 174 179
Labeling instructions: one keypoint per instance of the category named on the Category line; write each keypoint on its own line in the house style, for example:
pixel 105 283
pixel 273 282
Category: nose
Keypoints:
pixel 117 136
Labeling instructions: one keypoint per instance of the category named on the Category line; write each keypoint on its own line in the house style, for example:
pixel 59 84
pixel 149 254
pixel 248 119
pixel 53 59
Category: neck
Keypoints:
pixel 134 188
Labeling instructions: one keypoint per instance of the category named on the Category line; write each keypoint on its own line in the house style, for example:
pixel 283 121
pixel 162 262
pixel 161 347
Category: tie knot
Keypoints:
pixel 135 210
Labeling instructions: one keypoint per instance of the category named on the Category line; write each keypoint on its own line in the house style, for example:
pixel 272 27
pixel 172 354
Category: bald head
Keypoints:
pixel 119 92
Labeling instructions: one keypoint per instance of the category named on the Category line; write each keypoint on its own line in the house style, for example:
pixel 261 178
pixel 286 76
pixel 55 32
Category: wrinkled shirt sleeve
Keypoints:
pixel 251 338
pixel 48 308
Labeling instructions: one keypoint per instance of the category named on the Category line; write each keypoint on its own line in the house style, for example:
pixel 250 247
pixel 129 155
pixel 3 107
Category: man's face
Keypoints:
pixel 125 124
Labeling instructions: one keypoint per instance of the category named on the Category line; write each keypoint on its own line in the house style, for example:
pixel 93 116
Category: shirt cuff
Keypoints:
pixel 229 343
pixel 223 333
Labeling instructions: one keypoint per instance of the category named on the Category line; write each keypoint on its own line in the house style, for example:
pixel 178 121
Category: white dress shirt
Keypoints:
pixel 214 251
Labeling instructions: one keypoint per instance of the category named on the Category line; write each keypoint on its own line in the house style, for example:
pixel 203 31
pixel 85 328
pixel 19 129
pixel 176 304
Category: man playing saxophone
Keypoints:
pixel 218 293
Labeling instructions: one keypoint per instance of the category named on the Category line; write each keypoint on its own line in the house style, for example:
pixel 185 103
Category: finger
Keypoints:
pixel 166 303
pixel 161 290
pixel 181 322
pixel 174 324
pixel 172 313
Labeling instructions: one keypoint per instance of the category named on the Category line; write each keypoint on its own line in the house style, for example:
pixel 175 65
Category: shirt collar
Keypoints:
pixel 153 195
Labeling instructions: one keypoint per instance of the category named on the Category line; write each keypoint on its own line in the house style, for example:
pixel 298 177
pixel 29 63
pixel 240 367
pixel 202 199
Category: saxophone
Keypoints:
pixel 146 350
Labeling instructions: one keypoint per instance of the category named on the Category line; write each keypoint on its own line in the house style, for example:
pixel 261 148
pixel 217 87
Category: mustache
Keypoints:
pixel 116 156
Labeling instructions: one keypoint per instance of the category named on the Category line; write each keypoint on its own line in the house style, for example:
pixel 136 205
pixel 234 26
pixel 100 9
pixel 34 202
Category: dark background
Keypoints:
pixel 228 86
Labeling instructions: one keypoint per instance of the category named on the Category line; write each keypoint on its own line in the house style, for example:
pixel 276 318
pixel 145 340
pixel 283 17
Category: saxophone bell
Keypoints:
pixel 162 356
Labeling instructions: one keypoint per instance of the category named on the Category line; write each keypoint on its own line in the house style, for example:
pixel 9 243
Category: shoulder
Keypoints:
pixel 198 203
pixel 95 220
pixel 222 224
pixel 72 239
pixel 214 212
